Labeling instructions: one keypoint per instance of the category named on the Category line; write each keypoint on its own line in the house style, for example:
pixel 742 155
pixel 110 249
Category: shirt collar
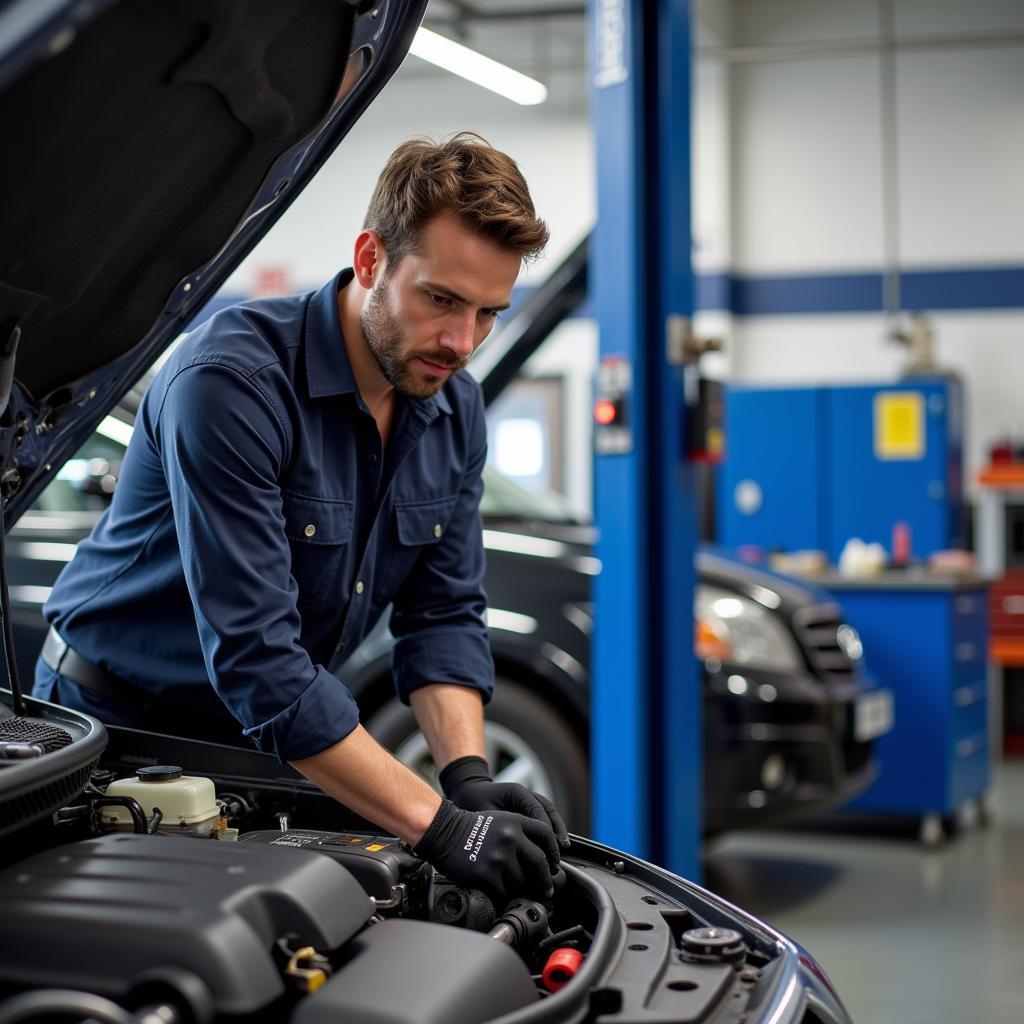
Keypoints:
pixel 328 370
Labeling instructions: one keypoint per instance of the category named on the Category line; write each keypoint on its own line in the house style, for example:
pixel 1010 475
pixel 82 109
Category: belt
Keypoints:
pixel 163 715
pixel 68 662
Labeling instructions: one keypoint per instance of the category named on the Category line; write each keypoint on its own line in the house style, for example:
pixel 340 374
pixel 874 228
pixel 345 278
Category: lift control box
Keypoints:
pixel 613 433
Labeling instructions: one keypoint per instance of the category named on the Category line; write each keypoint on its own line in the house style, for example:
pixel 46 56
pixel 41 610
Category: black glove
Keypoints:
pixel 503 854
pixel 468 784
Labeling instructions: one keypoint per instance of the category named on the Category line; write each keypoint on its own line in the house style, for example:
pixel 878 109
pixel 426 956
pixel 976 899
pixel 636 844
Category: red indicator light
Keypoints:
pixel 605 412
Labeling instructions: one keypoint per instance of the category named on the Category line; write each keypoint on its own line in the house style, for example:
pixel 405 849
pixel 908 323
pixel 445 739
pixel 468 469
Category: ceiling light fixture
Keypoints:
pixel 461 60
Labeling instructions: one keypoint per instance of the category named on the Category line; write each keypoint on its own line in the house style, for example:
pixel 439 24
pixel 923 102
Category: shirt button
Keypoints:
pixel 310 530
pixel 437 529
pixel 359 586
pixel 372 457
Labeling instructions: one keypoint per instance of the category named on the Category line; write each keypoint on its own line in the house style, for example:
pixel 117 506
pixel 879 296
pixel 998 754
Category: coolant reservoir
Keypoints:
pixel 186 801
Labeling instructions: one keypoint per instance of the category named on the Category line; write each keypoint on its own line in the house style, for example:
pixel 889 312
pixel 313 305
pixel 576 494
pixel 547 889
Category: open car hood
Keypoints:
pixel 149 145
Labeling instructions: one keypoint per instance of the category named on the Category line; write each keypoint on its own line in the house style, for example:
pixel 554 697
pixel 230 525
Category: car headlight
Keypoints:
pixel 737 630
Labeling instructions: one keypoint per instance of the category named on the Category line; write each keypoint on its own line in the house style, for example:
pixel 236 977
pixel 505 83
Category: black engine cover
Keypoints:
pixel 94 915
pixel 378 862
pixel 411 972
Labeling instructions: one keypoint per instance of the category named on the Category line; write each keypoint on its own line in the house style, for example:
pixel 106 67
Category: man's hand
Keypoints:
pixel 502 853
pixel 505 855
pixel 468 784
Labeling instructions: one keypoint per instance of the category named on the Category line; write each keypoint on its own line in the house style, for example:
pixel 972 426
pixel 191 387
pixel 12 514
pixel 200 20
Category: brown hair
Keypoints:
pixel 463 175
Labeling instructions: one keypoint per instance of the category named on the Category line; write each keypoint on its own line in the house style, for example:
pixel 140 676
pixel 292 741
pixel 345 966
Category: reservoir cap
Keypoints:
pixel 713 945
pixel 159 773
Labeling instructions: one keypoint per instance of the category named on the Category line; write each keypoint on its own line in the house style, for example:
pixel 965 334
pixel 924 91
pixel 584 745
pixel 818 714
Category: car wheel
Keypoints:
pixel 525 742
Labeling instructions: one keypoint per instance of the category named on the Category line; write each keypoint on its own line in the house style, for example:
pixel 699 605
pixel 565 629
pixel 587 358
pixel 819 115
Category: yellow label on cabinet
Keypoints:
pixel 899 425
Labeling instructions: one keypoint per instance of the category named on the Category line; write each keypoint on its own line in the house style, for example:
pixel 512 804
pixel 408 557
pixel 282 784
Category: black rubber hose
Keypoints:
pixel 573 934
pixel 60 1002
pixel 132 805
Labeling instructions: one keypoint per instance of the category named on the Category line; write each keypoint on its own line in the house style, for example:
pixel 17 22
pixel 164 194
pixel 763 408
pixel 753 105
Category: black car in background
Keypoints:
pixel 789 716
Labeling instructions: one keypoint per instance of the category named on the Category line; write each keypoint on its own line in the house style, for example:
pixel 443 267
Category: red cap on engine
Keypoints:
pixel 560 968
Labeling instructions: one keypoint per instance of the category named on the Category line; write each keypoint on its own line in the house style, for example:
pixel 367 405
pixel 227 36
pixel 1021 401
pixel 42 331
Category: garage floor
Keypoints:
pixel 908 935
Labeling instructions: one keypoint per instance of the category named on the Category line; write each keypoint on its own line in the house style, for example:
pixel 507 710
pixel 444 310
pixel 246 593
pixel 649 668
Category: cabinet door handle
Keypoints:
pixel 968 746
pixel 966 696
pixel 965 652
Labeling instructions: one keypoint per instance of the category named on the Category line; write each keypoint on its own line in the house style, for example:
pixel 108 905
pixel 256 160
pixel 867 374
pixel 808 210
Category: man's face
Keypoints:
pixel 426 316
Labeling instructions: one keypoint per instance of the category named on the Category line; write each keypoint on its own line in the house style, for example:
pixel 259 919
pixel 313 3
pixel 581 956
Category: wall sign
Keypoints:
pixel 899 425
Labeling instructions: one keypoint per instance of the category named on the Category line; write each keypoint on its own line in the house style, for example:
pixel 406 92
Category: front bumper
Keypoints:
pixel 793 754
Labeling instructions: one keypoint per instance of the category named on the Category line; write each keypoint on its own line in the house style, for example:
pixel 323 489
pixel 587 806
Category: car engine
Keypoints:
pixel 159 869
pixel 148 878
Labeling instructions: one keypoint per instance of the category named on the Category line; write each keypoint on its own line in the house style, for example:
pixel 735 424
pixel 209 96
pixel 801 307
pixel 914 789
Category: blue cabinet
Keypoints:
pixel 895 456
pixel 926 641
pixel 813 467
pixel 770 483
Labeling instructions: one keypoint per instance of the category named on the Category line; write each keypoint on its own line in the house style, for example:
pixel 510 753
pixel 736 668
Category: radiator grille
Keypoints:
pixel 817 629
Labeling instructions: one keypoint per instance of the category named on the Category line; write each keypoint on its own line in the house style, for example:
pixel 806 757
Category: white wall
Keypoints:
pixel 961 117
pixel 712 210
pixel 552 147
pixel 807 182
pixel 806 166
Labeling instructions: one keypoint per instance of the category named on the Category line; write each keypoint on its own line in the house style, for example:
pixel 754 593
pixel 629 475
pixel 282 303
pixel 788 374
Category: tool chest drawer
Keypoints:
pixel 928 643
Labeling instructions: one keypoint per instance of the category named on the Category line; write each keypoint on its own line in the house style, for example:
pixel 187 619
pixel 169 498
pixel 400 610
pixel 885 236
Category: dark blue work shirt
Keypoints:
pixel 259 528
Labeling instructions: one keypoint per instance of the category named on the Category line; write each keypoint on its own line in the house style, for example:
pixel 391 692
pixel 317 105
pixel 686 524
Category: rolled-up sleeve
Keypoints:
pixel 438 618
pixel 223 443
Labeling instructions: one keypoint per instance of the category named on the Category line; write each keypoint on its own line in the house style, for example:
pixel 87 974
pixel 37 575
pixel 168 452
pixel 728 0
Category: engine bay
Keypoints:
pixel 236 890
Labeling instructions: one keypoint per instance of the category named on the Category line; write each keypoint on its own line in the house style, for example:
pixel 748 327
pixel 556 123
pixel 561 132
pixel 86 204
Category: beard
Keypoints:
pixel 386 341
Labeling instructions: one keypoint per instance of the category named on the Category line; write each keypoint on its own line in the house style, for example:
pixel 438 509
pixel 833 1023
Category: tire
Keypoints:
pixel 526 741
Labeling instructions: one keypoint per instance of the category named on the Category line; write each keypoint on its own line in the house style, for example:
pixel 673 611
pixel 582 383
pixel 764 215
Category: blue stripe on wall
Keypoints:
pixel 712 291
pixel 851 293
pixel 1001 288
pixel 977 288
pixel 927 290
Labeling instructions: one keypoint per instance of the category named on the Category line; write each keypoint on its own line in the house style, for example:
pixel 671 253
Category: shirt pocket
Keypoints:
pixel 319 532
pixel 418 525
pixel 423 522
pixel 317 520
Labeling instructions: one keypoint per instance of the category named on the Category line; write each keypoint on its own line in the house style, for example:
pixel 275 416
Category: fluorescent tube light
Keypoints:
pixel 461 60
pixel 116 430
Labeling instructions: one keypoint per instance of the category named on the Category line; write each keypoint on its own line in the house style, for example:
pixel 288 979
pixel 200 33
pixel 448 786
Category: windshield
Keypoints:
pixel 505 499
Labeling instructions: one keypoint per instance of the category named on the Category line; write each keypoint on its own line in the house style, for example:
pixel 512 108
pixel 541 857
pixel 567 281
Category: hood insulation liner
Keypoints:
pixel 131 155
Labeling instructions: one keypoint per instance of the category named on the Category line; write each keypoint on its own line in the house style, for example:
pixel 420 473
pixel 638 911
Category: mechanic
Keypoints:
pixel 297 465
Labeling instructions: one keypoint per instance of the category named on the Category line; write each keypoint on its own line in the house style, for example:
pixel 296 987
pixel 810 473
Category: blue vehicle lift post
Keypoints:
pixel 646 708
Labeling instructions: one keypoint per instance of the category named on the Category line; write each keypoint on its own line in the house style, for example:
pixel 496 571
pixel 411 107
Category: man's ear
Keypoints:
pixel 368 258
